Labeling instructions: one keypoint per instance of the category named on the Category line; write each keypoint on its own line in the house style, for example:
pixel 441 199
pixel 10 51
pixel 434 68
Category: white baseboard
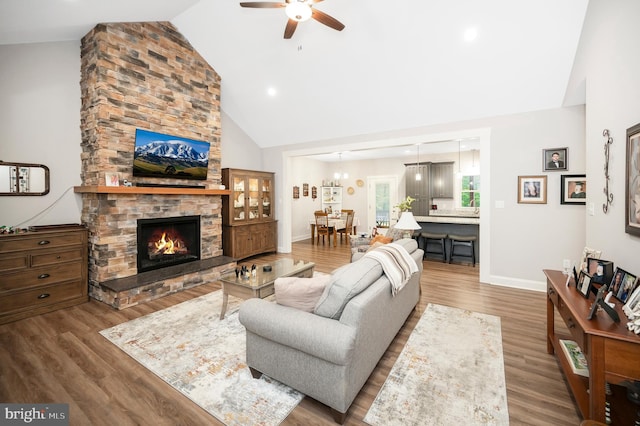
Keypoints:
pixel 518 283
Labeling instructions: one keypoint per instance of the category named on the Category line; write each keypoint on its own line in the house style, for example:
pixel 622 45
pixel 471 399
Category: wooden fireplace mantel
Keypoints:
pixel 96 189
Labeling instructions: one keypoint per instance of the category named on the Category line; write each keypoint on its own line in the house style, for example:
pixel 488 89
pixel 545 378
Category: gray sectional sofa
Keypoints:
pixel 329 354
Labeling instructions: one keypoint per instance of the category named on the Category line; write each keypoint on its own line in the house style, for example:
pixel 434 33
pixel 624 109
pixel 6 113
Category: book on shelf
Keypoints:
pixel 576 358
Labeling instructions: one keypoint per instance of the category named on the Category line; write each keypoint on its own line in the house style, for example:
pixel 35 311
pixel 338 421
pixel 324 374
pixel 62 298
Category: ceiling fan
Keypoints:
pixel 298 11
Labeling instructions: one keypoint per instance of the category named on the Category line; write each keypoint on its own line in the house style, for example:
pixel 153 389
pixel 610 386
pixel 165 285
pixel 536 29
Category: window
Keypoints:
pixel 470 191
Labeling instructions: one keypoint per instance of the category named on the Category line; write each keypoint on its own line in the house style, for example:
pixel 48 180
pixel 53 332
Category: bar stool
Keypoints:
pixel 463 241
pixel 437 244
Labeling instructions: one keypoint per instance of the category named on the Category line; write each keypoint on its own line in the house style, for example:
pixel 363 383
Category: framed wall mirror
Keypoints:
pixel 23 179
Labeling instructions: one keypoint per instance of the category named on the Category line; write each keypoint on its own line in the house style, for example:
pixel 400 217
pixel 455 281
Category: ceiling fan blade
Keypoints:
pixel 262 4
pixel 290 28
pixel 329 21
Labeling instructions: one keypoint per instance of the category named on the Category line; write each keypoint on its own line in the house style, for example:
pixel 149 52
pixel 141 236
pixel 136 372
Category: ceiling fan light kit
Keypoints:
pixel 298 11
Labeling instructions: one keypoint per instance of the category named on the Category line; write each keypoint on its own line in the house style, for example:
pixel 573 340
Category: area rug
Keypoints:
pixel 450 372
pixel 188 347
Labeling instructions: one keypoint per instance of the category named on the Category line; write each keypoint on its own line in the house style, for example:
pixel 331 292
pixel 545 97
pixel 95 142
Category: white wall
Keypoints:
pixel 238 150
pixel 40 123
pixel 523 239
pixel 610 67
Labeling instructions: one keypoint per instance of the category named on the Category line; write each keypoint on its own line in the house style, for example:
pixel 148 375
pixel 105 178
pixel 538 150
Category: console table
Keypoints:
pixel 612 351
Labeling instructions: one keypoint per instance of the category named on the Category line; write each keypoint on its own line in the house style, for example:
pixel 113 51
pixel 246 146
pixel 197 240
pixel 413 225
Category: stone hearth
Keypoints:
pixel 145 76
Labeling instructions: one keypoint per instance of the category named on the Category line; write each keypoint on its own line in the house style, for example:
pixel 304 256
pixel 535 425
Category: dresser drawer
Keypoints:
pixel 41 259
pixel 11 263
pixel 32 242
pixel 577 333
pixel 37 277
pixel 616 356
pixel 42 296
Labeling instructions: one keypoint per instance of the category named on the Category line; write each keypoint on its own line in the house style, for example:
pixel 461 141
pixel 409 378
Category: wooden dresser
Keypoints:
pixel 42 271
pixel 612 351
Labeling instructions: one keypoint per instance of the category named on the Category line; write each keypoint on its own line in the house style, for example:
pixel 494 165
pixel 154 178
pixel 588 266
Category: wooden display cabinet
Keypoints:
pixel 248 215
pixel 612 351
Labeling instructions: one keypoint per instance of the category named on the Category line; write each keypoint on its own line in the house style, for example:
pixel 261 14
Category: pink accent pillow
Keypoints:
pixel 300 293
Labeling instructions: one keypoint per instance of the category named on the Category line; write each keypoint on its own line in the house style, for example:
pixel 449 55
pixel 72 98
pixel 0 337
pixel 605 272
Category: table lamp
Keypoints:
pixel 407 223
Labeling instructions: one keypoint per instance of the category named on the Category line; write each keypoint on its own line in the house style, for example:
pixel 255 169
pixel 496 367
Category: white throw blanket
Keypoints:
pixel 397 264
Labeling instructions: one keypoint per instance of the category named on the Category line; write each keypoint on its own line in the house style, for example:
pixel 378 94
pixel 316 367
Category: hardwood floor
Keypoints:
pixel 60 357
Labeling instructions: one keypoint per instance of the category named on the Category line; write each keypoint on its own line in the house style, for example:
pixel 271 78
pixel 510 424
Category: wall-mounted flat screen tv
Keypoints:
pixel 167 156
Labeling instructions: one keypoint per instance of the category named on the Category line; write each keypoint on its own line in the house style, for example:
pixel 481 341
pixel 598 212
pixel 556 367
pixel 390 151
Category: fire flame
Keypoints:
pixel 166 245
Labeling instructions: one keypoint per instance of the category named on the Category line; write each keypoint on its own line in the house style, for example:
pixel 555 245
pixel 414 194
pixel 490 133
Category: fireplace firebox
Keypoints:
pixel 167 241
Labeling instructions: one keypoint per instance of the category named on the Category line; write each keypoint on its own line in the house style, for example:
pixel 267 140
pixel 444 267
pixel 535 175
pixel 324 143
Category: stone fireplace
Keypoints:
pixel 167 241
pixel 145 76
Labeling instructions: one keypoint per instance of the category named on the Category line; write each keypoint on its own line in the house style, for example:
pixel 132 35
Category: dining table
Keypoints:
pixel 335 223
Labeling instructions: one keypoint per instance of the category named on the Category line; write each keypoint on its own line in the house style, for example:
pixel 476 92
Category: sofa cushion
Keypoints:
pixel 300 293
pixel 347 282
pixel 394 234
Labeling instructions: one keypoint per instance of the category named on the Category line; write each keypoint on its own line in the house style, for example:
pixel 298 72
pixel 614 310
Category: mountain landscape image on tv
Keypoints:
pixel 167 156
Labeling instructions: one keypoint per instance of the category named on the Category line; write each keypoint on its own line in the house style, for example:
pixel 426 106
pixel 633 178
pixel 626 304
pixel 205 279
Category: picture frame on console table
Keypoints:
pixel 587 253
pixel 601 271
pixel 584 284
pixel 632 182
pixel 622 284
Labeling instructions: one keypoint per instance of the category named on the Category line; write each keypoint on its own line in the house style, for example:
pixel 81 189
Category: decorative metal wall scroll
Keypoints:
pixel 607 144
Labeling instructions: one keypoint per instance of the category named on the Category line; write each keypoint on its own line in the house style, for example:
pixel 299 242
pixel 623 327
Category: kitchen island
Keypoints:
pixel 456 223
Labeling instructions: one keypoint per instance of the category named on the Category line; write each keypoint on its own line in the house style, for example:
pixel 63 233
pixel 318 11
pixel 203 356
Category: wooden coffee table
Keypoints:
pixel 262 284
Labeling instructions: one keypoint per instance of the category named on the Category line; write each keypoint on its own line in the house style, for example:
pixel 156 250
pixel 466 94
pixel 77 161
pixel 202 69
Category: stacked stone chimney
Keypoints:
pixel 143 76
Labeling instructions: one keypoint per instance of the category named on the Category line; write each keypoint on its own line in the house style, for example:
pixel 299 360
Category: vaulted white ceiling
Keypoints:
pixel 398 64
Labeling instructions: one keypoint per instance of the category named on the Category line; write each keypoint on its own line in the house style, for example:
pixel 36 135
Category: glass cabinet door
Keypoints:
pixel 254 199
pixel 266 198
pixel 239 198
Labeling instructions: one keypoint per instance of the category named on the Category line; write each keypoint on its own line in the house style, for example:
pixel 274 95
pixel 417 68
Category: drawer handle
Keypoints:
pixel 570 323
pixel 551 292
pixel 43 276
pixel 43 242
pixel 43 296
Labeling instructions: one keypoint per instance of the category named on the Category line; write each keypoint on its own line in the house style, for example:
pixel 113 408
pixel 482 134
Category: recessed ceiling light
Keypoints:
pixel 470 34
pixel 271 91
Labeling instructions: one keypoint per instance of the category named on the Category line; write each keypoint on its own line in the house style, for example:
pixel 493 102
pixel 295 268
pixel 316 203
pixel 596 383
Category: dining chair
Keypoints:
pixel 322 227
pixel 348 227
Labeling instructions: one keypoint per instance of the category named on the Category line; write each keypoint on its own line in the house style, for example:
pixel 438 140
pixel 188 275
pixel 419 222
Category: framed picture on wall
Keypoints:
pixel 555 159
pixel 573 189
pixel 632 182
pixel 532 189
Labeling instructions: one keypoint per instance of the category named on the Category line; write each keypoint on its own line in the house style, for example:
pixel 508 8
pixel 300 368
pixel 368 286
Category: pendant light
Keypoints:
pixel 339 175
pixel 418 175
